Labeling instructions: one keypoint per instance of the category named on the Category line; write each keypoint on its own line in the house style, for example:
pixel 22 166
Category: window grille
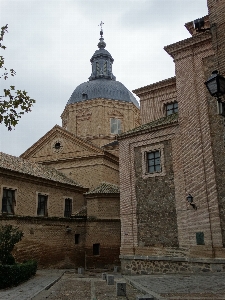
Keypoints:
pixel 153 162
pixel 42 205
pixel 171 108
pixel 68 208
pixel 8 201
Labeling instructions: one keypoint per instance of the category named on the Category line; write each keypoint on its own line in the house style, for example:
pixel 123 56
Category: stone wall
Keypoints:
pixel 90 119
pixel 26 194
pixel 155 196
pixel 89 171
pixel 163 265
pixel 49 241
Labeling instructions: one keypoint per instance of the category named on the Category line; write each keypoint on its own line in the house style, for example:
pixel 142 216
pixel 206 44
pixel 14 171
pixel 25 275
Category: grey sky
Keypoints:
pixel 50 44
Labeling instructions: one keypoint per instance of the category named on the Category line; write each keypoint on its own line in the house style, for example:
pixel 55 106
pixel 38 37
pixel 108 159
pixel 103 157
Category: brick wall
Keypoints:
pixel 47 241
pixel 103 207
pixel 130 191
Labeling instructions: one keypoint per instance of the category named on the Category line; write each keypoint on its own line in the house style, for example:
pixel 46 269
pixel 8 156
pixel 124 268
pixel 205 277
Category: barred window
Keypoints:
pixel 171 108
pixel 8 201
pixel 115 126
pixel 68 208
pixel 42 205
pixel 153 162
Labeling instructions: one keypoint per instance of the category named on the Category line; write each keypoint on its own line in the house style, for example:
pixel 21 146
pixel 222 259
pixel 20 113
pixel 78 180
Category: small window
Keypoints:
pixel 153 162
pixel 115 126
pixel 77 238
pixel 96 249
pixel 97 69
pixel 42 205
pixel 84 96
pixel 68 208
pixel 171 108
pixel 8 201
pixel 57 145
pixel 105 68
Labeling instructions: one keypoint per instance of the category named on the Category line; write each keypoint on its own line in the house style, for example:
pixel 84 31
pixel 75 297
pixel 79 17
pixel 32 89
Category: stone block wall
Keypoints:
pixel 49 241
pixel 156 210
pixel 26 194
pixel 90 119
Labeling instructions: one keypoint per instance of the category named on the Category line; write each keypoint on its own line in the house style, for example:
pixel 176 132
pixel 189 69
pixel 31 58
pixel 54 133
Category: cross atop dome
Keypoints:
pixel 101 32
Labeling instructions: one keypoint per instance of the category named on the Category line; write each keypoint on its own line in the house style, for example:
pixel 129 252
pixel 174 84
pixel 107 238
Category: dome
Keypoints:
pixel 102 83
pixel 102 88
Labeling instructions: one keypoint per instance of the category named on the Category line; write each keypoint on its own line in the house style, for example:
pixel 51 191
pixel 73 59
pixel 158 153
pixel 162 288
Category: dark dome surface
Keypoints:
pixel 102 88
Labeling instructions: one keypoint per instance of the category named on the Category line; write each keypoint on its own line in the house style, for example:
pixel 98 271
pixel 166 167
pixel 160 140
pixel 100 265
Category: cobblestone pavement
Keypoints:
pixel 176 286
pixel 90 286
pixel 67 285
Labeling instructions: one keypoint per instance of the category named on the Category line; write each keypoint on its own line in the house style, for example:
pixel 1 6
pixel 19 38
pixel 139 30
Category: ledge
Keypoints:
pixel 168 258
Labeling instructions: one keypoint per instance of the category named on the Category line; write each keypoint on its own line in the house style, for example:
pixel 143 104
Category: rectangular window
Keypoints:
pixel 96 249
pixel 68 208
pixel 171 108
pixel 77 238
pixel 42 205
pixel 115 125
pixel 153 162
pixel 8 201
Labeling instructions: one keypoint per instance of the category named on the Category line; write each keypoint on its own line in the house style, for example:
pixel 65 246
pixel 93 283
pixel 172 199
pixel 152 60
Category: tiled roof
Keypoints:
pixel 105 188
pixel 82 212
pixel 157 123
pixel 24 166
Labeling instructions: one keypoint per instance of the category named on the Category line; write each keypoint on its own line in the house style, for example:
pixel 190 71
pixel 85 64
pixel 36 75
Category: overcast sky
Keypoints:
pixel 50 43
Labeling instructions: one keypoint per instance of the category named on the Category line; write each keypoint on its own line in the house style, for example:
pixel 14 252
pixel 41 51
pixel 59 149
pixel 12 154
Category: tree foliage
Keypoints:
pixel 13 103
pixel 9 236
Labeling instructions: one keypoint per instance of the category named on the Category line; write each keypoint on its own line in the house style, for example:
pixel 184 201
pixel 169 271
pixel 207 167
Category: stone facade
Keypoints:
pixel 191 150
pixel 55 237
pixel 76 158
pixel 90 119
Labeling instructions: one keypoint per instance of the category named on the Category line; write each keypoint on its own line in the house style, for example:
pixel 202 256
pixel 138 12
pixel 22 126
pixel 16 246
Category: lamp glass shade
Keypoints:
pixel 216 84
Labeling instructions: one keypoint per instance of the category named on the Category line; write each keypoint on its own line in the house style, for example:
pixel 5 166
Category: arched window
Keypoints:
pixel 97 68
pixel 105 68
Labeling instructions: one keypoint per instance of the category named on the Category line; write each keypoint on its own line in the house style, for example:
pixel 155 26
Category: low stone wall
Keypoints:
pixel 133 265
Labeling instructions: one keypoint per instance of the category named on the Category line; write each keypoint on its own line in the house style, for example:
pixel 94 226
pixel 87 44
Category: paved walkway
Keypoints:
pixel 67 284
pixel 27 290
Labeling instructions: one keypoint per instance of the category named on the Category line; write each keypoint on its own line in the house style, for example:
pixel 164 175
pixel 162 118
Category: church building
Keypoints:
pixel 172 167
pixel 63 192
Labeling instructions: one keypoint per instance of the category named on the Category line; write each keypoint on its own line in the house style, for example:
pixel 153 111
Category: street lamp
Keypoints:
pixel 216 85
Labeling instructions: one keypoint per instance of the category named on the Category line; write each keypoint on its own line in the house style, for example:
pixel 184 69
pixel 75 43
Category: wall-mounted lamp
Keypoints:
pixel 216 84
pixel 216 87
pixel 190 200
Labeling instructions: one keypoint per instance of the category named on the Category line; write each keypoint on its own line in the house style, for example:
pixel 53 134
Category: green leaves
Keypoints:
pixel 13 103
pixel 9 236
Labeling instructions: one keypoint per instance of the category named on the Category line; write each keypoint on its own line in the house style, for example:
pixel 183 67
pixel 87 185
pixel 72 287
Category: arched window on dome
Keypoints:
pixel 105 68
pixel 97 69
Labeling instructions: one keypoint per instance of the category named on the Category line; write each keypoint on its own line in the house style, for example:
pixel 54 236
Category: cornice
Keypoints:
pixel 191 42
pixel 51 133
pixel 155 86
pixel 39 180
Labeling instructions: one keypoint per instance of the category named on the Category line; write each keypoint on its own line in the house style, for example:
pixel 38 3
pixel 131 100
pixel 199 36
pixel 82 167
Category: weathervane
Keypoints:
pixel 101 32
